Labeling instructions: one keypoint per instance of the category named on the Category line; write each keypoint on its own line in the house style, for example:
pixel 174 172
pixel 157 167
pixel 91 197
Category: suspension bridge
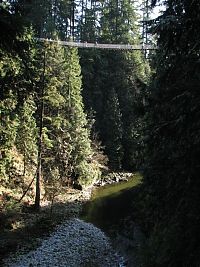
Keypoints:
pixel 100 46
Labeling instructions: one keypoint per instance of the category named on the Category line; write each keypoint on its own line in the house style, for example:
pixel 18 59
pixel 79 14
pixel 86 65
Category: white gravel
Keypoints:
pixel 73 244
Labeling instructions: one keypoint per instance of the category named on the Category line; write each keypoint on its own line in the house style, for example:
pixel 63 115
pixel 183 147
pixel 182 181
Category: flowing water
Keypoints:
pixel 108 209
pixel 111 203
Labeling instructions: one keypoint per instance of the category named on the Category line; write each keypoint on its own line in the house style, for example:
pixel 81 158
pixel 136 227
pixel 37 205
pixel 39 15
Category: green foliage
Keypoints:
pixel 127 74
pixel 16 83
pixel 84 167
pixel 8 130
pixel 26 140
pixel 53 187
pixel 112 125
pixel 172 147
pixel 118 22
pixel 48 117
pixel 66 137
pixel 11 28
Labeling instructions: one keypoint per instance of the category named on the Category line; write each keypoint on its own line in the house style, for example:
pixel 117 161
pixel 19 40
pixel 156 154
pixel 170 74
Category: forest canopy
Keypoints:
pixel 69 115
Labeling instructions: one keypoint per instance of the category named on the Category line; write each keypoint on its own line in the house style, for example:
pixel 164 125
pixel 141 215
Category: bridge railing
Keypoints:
pixel 100 46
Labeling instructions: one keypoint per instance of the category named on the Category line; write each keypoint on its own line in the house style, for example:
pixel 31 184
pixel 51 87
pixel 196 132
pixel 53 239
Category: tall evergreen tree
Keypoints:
pixel 172 148
pixel 16 82
pixel 8 130
pixel 26 139
pixel 112 126
pixel 125 72
pixel 64 140
pixel 84 168
pixel 52 16
pixel 119 22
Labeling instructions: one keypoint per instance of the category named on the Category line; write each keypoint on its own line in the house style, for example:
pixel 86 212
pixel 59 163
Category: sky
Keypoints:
pixel 153 13
pixel 157 10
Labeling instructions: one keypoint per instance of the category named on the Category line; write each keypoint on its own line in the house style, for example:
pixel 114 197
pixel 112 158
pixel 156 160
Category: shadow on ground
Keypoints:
pixel 25 229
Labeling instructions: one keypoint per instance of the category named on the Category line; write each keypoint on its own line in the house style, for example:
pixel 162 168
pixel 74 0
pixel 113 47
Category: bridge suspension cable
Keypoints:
pixel 99 46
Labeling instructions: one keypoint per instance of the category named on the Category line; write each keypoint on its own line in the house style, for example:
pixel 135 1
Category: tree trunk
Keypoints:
pixel 39 167
pixel 24 171
pixel 73 20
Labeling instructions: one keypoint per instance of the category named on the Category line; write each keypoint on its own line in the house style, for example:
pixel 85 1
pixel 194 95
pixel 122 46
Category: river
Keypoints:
pixel 109 209
pixel 77 243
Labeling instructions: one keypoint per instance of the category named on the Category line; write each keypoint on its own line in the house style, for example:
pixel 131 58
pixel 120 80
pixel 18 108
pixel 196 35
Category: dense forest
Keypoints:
pixel 70 115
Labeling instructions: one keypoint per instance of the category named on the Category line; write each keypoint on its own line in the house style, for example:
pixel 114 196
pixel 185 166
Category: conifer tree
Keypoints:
pixel 64 140
pixel 54 79
pixel 84 168
pixel 172 148
pixel 8 131
pixel 26 140
pixel 112 125
pixel 16 82
pixel 124 71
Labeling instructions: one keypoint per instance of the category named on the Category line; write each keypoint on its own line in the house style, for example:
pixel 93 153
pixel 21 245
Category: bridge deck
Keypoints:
pixel 100 46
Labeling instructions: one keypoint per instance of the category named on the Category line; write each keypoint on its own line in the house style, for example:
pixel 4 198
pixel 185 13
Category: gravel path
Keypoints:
pixel 73 244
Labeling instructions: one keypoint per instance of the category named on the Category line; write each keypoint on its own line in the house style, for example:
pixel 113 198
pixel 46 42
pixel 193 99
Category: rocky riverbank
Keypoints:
pixel 74 244
pixel 114 177
pixel 55 237
pixel 22 227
